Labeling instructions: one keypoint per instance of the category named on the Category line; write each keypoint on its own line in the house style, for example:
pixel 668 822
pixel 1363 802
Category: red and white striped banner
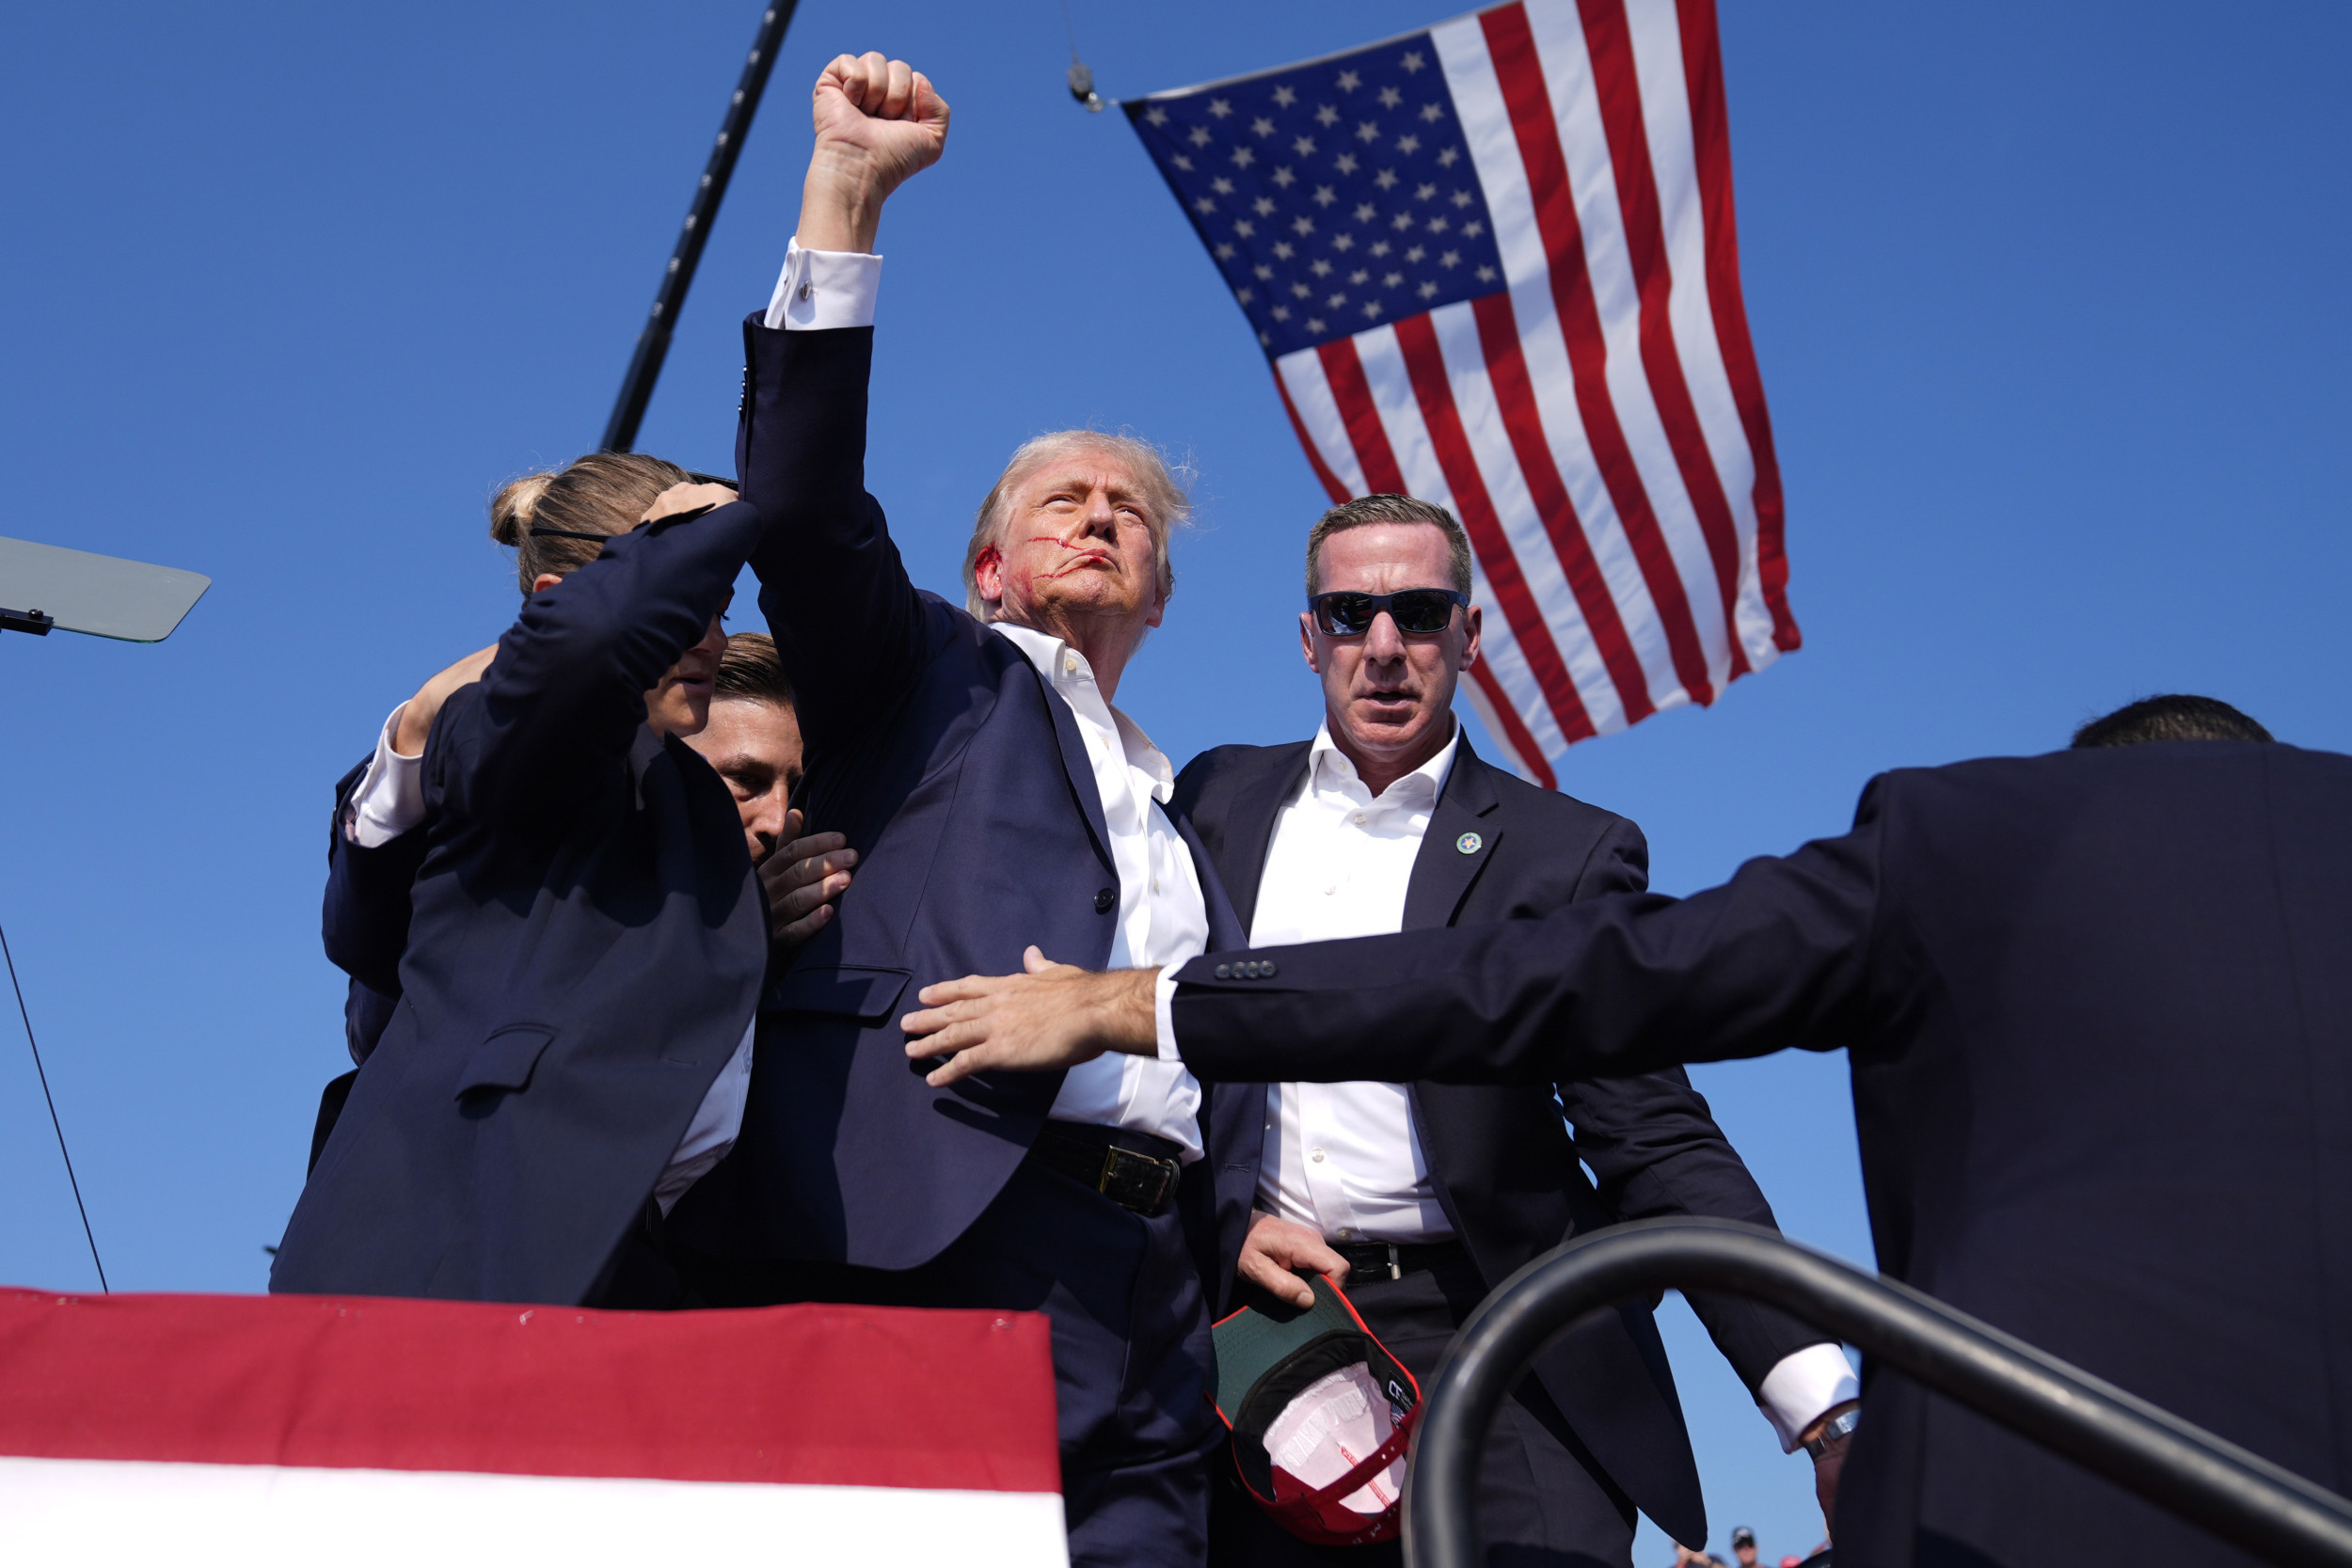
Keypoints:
pixel 1533 204
pixel 286 1429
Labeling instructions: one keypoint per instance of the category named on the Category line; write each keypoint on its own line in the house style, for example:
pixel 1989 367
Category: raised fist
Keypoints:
pixel 878 122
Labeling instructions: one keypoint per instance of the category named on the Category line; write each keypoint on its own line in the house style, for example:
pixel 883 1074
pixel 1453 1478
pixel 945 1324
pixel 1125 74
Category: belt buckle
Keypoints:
pixel 1121 1163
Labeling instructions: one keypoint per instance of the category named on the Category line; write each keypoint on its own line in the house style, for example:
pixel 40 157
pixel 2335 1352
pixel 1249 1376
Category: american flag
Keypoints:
pixel 1494 265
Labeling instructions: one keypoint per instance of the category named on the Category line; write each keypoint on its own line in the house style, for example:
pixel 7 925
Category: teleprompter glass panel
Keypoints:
pixel 100 594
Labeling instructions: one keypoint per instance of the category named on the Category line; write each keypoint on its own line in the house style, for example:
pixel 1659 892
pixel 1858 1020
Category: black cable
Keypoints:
pixel 653 343
pixel 54 1122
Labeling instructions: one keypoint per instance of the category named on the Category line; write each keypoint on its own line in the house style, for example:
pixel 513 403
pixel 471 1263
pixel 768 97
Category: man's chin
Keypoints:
pixel 1389 723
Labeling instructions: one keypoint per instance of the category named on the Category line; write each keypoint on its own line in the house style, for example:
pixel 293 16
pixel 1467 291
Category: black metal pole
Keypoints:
pixel 653 344
pixel 2239 1496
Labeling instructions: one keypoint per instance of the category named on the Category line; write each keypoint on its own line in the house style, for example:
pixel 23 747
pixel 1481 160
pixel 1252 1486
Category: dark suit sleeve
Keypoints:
pixel 564 699
pixel 1780 955
pixel 1655 1151
pixel 848 622
pixel 1618 863
pixel 363 920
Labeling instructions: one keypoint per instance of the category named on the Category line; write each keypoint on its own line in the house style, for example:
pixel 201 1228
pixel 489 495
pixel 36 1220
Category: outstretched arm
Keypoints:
pixel 845 615
pixel 1778 956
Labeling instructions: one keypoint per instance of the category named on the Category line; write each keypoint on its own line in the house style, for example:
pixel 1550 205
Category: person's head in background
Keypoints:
pixel 2169 717
pixel 753 740
pixel 1389 674
pixel 558 522
pixel 1743 1546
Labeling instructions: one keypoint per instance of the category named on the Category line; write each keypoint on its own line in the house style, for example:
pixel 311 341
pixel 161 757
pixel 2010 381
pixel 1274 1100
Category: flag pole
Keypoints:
pixel 653 343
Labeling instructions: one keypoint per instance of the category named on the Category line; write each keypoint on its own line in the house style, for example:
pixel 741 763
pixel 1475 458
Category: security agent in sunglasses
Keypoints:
pixel 973 758
pixel 1422 1195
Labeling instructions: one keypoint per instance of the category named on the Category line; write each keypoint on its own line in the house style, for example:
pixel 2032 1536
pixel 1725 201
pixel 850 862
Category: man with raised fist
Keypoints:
pixel 996 797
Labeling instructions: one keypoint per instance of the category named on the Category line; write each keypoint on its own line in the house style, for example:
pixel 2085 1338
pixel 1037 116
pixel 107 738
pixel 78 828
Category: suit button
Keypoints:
pixel 1107 900
pixel 1225 972
pixel 1266 967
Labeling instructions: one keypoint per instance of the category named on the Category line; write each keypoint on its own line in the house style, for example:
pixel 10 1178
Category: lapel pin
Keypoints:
pixel 1469 844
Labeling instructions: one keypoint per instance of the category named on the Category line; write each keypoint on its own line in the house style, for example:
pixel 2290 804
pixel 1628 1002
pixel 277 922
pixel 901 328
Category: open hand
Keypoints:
pixel 1051 1016
pixel 687 496
pixel 803 878
pixel 1277 1249
pixel 879 121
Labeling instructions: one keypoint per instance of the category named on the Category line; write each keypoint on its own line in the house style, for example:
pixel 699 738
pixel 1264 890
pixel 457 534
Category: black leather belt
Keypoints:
pixel 1135 1170
pixel 1370 1261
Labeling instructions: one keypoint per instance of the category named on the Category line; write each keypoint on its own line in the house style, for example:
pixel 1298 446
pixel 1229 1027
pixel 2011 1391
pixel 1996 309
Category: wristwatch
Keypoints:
pixel 1837 1426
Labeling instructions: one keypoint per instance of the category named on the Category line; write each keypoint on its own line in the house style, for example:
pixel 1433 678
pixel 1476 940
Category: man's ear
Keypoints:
pixel 988 575
pixel 1307 639
pixel 1471 627
pixel 544 581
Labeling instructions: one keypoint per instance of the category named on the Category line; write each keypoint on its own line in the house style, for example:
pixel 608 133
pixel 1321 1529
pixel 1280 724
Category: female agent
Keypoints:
pixel 587 940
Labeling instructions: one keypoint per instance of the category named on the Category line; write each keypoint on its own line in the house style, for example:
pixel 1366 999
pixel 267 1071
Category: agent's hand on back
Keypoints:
pixel 804 878
pixel 1052 1016
pixel 879 121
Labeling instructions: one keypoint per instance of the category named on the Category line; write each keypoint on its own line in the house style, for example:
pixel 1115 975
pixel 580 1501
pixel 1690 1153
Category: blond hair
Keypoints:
pixel 557 522
pixel 1165 504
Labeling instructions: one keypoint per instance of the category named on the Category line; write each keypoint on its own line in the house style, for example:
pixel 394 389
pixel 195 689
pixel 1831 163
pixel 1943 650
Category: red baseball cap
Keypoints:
pixel 1321 1415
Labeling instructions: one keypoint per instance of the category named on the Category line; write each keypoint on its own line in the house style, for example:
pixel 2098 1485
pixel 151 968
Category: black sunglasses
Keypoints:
pixel 1415 610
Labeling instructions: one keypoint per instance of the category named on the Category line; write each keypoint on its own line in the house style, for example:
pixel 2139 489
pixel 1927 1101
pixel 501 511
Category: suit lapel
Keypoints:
pixel 1250 831
pixel 1076 764
pixel 1459 843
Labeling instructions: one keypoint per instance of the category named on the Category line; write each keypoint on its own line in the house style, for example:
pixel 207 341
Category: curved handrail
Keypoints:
pixel 2240 1497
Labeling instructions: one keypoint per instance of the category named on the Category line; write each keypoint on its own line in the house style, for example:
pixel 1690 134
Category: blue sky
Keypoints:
pixel 2048 301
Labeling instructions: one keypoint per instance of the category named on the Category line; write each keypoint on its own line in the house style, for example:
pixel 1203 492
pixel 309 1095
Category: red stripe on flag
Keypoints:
pixel 1331 485
pixel 1506 371
pixel 1515 732
pixel 807 1395
pixel 1520 75
pixel 1425 365
pixel 1620 89
pixel 1353 393
pixel 1710 137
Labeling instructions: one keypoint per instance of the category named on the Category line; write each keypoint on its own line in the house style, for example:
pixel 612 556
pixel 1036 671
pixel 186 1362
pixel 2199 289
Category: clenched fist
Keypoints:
pixel 879 121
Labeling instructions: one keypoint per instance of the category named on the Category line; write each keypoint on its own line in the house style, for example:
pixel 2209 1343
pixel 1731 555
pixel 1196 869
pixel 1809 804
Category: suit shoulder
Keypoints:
pixel 1552 810
pixel 1211 779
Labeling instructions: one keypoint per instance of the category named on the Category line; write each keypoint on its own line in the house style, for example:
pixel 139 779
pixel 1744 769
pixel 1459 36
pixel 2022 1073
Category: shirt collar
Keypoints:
pixel 1063 666
pixel 1422 786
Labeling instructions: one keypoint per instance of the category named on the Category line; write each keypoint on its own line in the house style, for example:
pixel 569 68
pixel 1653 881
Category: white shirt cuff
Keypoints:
pixel 1802 1387
pixel 1162 1012
pixel 821 290
pixel 389 800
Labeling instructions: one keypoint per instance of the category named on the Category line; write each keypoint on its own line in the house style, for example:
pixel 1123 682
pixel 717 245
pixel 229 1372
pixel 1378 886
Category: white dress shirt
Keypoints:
pixel 1346 1158
pixel 820 290
pixel 1163 918
pixel 388 800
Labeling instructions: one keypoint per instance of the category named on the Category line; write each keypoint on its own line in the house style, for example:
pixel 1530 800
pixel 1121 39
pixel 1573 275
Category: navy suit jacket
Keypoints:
pixel 364 920
pixel 2098 1006
pixel 1505 1168
pixel 962 782
pixel 586 947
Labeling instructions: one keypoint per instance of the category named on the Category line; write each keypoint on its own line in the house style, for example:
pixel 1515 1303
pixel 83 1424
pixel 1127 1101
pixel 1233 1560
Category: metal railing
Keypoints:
pixel 2238 1496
